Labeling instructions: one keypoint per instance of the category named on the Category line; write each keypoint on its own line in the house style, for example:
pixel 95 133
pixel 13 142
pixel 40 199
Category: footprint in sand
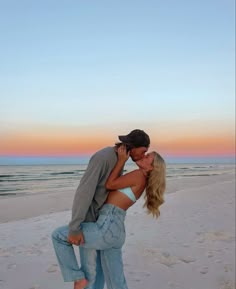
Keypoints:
pixel 166 259
pixel 35 287
pixel 138 276
pixel 201 240
pixel 228 268
pixel 227 285
pixel 53 268
pixel 172 285
pixel 161 257
pixel 210 254
pixel 186 245
pixel 44 238
pixel 11 266
pixel 215 236
pixel 1 283
pixel 187 259
pixel 5 253
pixel 204 270
pixel 218 261
pixel 33 251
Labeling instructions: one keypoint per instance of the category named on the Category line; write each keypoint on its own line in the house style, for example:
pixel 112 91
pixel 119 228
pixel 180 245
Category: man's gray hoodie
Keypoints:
pixel 91 192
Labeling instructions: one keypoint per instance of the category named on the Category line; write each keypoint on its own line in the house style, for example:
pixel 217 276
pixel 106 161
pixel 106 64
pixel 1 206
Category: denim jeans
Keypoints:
pixel 101 251
pixel 90 260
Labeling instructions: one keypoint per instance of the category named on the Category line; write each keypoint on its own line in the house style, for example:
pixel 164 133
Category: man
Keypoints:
pixel 89 198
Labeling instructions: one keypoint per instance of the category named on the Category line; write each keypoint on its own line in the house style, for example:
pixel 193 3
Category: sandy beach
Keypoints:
pixel 191 246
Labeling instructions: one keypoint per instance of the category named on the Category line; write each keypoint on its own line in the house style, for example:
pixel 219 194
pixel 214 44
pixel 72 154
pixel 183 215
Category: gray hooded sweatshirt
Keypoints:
pixel 91 192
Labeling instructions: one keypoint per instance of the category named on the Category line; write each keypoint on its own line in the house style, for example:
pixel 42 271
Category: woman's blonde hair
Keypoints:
pixel 156 185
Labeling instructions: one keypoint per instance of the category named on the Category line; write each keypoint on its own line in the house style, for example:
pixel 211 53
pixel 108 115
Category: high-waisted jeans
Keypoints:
pixel 100 252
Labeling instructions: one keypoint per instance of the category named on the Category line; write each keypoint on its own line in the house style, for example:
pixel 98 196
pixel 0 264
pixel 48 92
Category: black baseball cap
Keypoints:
pixel 136 138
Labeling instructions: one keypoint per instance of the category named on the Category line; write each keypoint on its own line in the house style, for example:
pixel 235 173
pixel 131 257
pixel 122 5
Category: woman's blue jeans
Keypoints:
pixel 101 252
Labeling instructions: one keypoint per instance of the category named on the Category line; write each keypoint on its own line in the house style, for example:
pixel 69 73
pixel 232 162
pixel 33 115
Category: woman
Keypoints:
pixel 109 231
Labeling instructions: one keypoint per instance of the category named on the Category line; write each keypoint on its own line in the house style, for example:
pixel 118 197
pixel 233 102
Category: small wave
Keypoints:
pixel 11 176
pixel 205 167
pixel 6 176
pixel 8 194
pixel 62 173
pixel 9 190
pixel 200 175
pixel 35 179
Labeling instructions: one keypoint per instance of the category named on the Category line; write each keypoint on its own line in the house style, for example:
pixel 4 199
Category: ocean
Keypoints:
pixel 16 181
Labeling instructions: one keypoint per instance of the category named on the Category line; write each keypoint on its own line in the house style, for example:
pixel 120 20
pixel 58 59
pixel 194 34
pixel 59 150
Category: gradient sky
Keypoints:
pixel 75 74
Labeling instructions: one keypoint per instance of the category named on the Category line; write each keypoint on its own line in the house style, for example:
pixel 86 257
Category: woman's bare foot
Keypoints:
pixel 80 284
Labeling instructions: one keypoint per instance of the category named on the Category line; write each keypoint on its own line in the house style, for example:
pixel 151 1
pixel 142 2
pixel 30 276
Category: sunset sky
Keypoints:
pixel 76 74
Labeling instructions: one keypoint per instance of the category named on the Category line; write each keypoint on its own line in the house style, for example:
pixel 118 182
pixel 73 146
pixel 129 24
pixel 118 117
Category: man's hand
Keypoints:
pixel 76 239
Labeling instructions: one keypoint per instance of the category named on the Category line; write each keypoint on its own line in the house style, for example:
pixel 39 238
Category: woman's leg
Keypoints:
pixel 92 267
pixel 112 264
pixel 108 235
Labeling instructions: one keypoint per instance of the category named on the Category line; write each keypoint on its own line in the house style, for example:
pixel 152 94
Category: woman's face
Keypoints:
pixel 146 162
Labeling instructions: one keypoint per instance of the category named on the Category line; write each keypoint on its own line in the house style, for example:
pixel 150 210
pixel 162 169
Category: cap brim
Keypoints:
pixel 123 138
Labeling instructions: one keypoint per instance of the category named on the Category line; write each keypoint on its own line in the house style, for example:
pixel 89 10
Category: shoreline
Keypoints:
pixel 33 205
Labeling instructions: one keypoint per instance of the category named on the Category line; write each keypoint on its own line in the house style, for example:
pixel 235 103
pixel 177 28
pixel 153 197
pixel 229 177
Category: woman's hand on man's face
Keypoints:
pixel 123 155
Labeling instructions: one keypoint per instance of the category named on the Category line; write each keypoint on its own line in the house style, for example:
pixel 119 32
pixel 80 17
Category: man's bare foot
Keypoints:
pixel 80 284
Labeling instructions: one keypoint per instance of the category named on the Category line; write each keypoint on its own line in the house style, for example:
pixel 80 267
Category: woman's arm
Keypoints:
pixel 115 181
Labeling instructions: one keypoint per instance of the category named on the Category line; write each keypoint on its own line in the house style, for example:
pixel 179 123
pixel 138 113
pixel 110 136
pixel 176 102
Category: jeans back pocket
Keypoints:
pixel 114 236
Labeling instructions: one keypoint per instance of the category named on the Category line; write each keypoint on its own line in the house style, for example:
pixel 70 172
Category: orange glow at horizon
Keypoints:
pixel 53 144
pixel 200 146
pixel 68 143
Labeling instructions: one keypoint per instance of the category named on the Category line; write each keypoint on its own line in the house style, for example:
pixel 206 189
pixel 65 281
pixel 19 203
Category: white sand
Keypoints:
pixel 192 245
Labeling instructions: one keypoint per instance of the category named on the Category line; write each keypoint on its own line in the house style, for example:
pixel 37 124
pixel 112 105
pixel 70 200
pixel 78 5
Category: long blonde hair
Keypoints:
pixel 156 185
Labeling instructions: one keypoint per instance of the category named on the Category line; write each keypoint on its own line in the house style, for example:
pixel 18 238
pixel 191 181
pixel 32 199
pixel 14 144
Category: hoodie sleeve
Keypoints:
pixel 85 192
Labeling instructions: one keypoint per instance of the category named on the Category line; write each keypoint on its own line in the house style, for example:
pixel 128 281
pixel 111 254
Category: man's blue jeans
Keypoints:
pixel 100 254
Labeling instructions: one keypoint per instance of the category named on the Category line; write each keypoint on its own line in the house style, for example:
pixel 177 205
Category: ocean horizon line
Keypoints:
pixel 83 160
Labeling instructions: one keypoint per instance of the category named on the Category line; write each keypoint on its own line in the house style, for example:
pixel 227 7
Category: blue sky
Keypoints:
pixel 117 64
